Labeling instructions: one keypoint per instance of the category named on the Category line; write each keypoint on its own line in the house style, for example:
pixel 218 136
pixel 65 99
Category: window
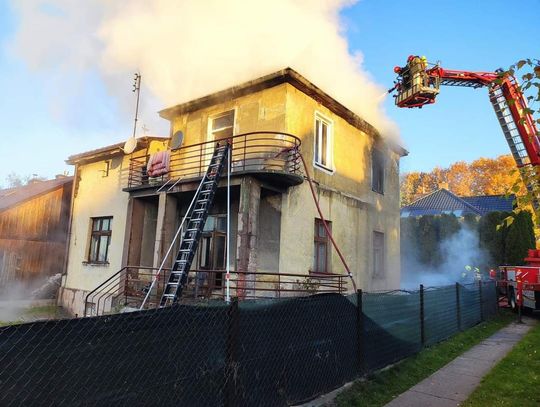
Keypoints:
pixel 321 263
pixel 100 240
pixel 323 142
pixel 377 171
pixel 378 255
pixel 222 126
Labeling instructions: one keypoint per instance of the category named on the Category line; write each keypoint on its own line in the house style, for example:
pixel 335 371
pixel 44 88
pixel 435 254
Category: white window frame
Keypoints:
pixel 329 167
pixel 211 118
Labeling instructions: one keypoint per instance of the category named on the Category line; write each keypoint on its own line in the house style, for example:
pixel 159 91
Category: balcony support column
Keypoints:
pixel 165 226
pixel 248 220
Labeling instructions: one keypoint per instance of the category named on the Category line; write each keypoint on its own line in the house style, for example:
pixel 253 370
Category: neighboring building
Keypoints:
pixel 34 223
pixel 124 216
pixel 444 201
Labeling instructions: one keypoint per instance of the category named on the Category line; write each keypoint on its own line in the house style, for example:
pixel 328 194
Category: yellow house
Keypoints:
pixel 124 219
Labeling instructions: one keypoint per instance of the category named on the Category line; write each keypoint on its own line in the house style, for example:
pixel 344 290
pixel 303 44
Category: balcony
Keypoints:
pixel 271 156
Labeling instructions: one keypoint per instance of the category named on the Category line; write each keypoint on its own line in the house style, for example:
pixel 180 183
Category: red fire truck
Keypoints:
pixel 418 84
pixel 521 284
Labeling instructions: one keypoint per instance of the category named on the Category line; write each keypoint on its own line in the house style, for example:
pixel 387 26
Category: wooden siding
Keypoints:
pixel 33 237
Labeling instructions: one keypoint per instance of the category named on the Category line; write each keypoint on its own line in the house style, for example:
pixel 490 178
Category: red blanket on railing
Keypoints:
pixel 158 163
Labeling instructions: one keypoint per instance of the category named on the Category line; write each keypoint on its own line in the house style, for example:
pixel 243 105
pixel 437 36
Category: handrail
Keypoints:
pixel 277 133
pixel 206 284
pixel 100 286
pixel 103 291
pixel 257 151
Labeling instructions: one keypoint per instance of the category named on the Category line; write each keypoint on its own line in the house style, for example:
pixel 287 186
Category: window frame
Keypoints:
pixel 98 234
pixel 212 117
pixel 329 167
pixel 321 240
pixel 382 162
pixel 379 274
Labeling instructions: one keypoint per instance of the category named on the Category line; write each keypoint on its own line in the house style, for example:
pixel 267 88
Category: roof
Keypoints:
pixel 491 203
pixel 287 75
pixel 438 202
pixel 444 201
pixel 110 150
pixel 14 196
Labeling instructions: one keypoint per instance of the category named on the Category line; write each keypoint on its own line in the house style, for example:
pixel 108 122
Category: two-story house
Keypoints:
pixel 125 214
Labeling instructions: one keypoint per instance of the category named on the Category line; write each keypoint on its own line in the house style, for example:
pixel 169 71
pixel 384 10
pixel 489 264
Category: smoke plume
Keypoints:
pixel 187 49
pixel 459 251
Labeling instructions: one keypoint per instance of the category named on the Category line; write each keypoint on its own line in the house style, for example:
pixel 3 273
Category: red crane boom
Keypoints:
pixel 418 85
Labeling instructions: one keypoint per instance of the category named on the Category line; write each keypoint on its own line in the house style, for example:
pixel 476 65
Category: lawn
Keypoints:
pixel 515 381
pixel 385 385
pixel 35 313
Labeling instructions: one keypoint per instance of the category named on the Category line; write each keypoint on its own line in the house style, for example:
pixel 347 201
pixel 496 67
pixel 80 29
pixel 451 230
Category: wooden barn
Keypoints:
pixel 34 223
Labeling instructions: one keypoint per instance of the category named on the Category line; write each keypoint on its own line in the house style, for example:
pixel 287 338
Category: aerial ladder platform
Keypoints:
pixel 418 85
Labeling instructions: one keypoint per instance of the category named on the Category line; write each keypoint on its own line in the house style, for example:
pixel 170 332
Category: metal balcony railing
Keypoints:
pixel 126 289
pixel 270 153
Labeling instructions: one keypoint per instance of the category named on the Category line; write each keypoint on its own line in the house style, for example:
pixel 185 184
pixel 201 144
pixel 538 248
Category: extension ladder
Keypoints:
pixel 197 217
pixel 513 138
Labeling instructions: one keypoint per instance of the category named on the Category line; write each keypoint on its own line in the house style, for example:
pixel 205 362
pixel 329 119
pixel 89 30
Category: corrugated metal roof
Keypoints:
pixel 14 196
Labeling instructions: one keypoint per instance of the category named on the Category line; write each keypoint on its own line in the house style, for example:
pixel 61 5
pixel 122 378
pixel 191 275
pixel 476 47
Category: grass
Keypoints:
pixel 35 313
pixel 515 379
pixel 385 385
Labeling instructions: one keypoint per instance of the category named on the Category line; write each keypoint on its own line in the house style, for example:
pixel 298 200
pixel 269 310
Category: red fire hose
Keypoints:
pixel 328 232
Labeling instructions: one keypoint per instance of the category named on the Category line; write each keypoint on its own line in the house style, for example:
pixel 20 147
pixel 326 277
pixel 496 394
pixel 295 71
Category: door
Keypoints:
pixel 212 255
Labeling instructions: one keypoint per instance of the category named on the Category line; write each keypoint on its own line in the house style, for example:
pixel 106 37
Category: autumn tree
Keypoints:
pixel 484 176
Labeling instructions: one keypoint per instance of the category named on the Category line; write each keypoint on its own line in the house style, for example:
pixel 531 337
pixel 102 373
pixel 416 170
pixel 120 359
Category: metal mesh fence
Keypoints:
pixel 391 327
pixel 259 352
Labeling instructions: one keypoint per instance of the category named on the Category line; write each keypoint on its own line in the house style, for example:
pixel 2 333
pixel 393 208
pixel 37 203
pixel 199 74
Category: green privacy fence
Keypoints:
pixel 273 352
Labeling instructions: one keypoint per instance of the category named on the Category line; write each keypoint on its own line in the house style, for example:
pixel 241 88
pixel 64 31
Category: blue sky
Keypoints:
pixel 461 126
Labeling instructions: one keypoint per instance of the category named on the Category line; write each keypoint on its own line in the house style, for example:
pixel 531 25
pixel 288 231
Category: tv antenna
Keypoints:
pixel 136 88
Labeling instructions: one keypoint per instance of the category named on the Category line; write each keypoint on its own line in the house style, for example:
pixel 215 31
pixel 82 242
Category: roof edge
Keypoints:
pixel 110 150
pixel 286 75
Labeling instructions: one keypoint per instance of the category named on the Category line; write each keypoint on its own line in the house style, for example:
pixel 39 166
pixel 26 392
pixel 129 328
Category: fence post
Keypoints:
pixel 496 285
pixel 458 309
pixel 231 357
pixel 422 317
pixel 481 300
pixel 360 332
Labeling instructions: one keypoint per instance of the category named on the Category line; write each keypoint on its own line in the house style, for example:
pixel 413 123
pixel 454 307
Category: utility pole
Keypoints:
pixel 136 88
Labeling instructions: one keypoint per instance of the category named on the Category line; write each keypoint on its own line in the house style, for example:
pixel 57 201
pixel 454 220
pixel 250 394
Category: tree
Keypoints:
pixel 492 237
pixel 519 239
pixel 15 180
pixel 484 176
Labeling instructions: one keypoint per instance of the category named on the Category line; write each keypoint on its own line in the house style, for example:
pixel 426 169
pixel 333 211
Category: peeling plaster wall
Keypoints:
pixel 346 198
pixel 259 111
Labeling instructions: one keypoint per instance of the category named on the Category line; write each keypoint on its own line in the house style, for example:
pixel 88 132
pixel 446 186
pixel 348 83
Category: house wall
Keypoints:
pixel 33 237
pixel 285 224
pixel 97 195
pixel 260 111
pixel 346 199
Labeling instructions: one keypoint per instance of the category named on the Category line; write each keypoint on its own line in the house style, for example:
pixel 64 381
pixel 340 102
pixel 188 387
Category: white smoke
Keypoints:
pixel 459 251
pixel 187 49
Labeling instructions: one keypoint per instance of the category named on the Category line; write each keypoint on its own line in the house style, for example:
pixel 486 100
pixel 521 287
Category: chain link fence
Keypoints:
pixel 255 352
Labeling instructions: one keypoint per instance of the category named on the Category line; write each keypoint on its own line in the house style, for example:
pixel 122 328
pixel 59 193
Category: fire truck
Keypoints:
pixel 418 84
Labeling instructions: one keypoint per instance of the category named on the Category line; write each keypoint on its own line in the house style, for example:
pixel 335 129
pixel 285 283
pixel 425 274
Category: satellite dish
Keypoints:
pixel 177 140
pixel 130 145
